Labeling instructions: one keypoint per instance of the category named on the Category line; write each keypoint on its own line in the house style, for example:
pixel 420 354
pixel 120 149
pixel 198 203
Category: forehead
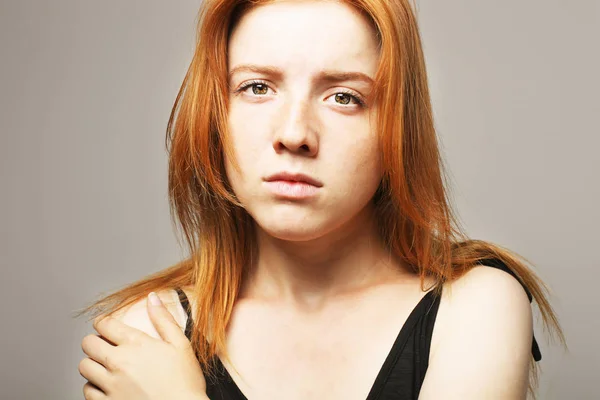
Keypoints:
pixel 303 36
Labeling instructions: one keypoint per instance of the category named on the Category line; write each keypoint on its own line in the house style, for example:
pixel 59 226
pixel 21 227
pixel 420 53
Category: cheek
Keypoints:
pixel 364 158
pixel 248 149
pixel 356 164
pixel 246 161
pixel 248 127
pixel 361 180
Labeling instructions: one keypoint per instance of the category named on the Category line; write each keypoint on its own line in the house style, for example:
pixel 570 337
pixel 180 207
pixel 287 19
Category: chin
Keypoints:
pixel 293 235
pixel 294 226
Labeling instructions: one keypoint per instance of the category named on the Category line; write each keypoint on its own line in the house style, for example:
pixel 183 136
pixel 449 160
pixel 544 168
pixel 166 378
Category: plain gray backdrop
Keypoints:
pixel 86 88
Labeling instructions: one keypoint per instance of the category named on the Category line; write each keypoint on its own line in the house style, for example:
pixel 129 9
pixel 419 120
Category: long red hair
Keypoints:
pixel 412 202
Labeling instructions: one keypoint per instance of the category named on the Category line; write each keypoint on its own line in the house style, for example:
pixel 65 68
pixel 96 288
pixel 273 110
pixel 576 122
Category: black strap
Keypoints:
pixel 186 306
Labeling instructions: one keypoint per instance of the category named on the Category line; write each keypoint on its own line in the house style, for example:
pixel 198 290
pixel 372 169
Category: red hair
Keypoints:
pixel 414 215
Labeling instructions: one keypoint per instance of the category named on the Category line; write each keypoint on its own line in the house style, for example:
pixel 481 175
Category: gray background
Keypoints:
pixel 86 88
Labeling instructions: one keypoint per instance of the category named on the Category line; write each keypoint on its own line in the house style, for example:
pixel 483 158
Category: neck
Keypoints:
pixel 307 275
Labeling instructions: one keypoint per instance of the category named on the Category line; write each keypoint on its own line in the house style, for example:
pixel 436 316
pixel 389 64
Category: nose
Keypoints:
pixel 296 134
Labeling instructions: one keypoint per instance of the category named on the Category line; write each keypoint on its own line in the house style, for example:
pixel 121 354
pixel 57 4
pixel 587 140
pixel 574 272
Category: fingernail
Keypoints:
pixel 154 300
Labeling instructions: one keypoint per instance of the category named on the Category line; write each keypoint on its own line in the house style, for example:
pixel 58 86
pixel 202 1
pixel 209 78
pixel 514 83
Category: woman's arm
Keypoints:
pixel 484 349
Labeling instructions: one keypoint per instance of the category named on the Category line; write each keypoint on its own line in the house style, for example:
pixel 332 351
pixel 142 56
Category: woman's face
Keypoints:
pixel 295 112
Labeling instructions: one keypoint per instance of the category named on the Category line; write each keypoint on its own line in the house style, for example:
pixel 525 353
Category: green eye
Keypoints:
pixel 260 89
pixel 341 96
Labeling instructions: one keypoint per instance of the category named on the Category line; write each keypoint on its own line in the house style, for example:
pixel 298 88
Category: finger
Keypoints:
pixel 98 350
pixel 91 392
pixel 95 373
pixel 164 323
pixel 116 331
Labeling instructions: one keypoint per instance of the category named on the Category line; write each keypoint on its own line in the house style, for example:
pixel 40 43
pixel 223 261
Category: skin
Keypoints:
pixel 122 358
pixel 324 291
pixel 311 251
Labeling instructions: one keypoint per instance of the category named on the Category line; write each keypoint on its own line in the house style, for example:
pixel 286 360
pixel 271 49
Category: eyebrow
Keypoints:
pixel 327 76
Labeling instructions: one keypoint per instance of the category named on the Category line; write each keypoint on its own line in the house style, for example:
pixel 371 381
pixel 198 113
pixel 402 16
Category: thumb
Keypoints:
pixel 164 323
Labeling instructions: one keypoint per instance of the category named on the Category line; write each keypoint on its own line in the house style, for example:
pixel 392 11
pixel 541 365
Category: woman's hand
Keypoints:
pixel 127 364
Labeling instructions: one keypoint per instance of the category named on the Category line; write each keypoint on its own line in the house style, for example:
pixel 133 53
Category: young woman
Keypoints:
pixel 325 260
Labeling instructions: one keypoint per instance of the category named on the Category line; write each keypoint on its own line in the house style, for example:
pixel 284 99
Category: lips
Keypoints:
pixel 294 177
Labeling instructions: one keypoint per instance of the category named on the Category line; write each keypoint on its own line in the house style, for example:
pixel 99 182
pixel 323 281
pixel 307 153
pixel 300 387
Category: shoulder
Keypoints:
pixel 136 314
pixel 485 299
pixel 485 333
pixel 492 286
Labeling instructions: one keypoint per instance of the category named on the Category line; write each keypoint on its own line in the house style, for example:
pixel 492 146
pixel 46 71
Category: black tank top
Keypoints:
pixel 402 373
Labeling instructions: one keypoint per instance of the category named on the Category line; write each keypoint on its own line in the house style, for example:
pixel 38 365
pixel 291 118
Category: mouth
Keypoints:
pixel 294 178
pixel 293 186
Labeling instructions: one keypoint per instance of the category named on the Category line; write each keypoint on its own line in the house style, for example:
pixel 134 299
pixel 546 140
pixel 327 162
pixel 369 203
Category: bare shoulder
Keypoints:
pixel 484 333
pixel 483 283
pixel 136 314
